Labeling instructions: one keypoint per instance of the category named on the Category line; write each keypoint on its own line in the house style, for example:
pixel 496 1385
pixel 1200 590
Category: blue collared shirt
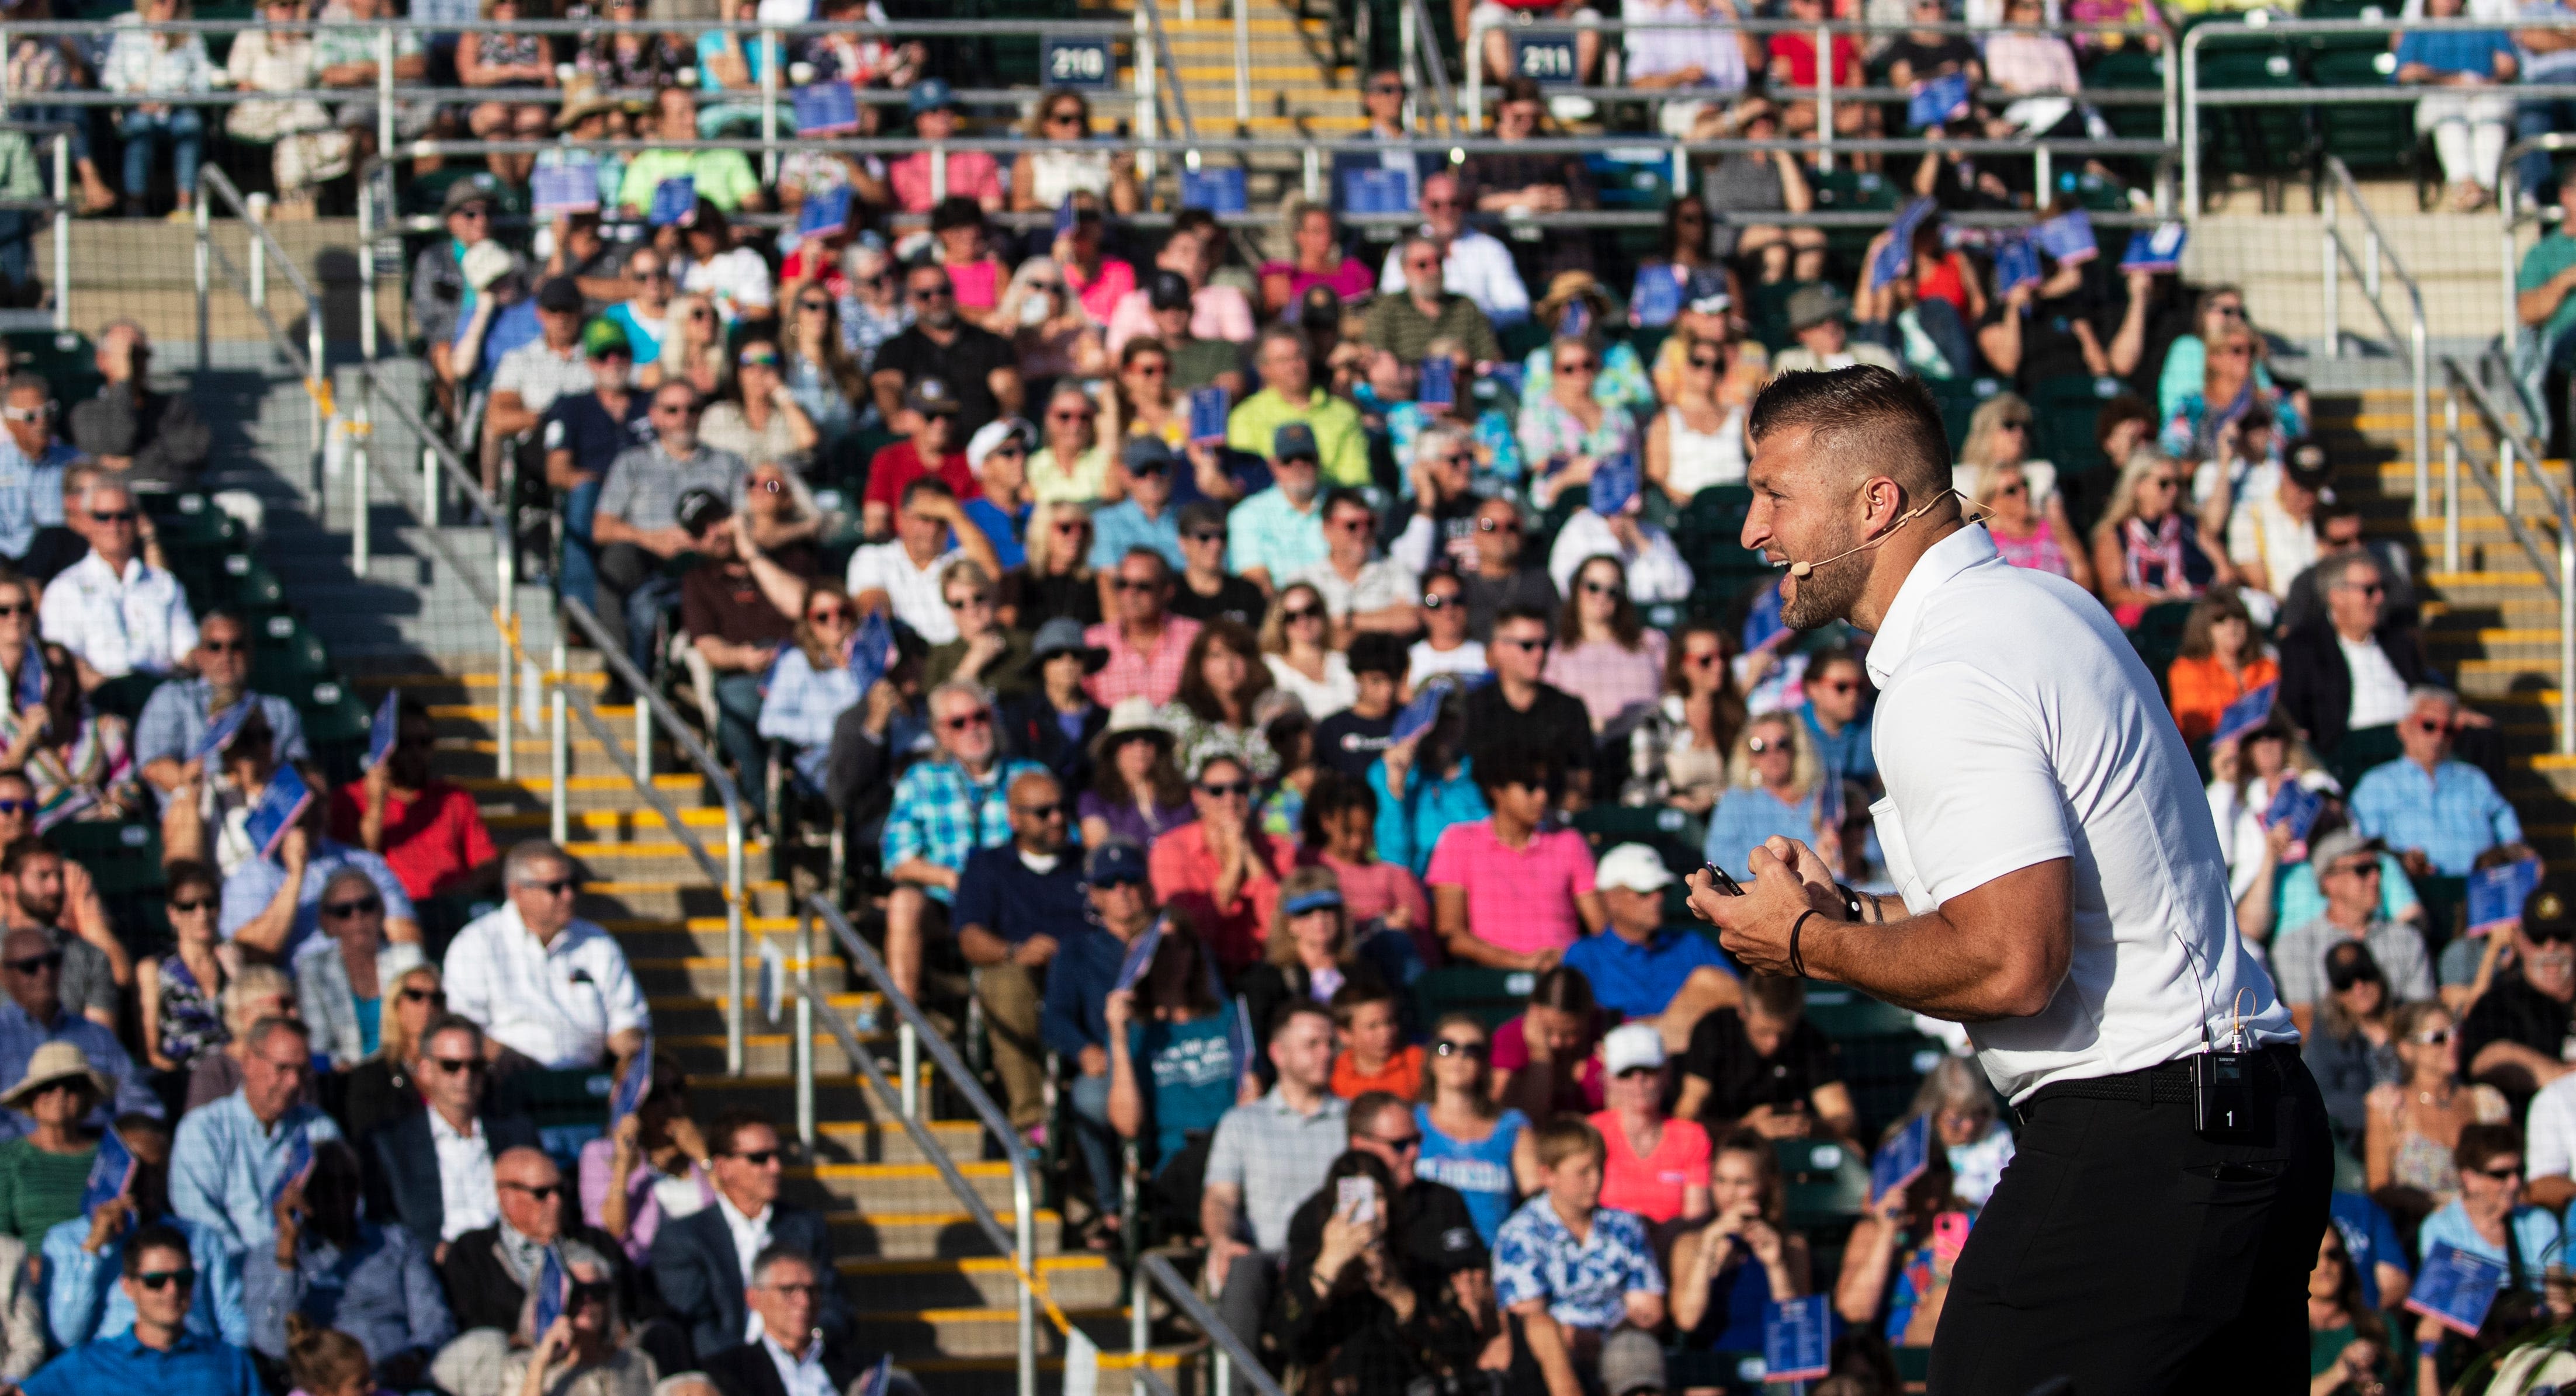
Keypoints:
pixel 1847 751
pixel 248 890
pixel 1123 525
pixel 1640 980
pixel 192 1367
pixel 21 1035
pixel 31 492
pixel 379 1291
pixel 84 1301
pixel 2452 812
pixel 174 720
pixel 1586 1284
pixel 223 1163
pixel 802 706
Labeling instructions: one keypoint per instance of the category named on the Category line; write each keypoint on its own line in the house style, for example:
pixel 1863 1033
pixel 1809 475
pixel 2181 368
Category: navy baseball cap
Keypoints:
pixel 1115 861
pixel 1295 441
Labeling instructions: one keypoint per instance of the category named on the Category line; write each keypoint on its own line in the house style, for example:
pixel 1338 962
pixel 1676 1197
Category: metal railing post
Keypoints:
pixel 1024 1227
pixel 805 1032
pixel 1475 60
pixel 505 572
pixel 1242 61
pixel 2451 481
pixel 769 58
pixel 429 486
pixel 644 738
pixel 258 268
pixel 205 276
pixel 1824 98
pixel 559 745
pixel 907 1046
pixel 1146 124
pixel 2419 341
pixel 733 937
pixel 361 544
pixel 317 394
pixel 2184 57
pixel 1407 40
pixel 2333 347
pixel 2566 639
pixel 938 173
pixel 1140 1328
pixel 367 265
pixel 385 88
pixel 2505 473
pixel 63 232
pixel 2043 170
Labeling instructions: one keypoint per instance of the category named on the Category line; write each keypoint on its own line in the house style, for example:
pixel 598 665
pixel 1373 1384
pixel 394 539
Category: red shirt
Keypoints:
pixel 428 841
pixel 897 466
pixel 1800 51
pixel 1185 878
pixel 1581 1095
pixel 1652 1186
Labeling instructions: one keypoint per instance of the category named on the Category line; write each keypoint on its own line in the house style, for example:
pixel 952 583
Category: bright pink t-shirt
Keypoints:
pixel 1518 899
pixel 1511 1053
pixel 1652 1186
pixel 970 172
pixel 1101 294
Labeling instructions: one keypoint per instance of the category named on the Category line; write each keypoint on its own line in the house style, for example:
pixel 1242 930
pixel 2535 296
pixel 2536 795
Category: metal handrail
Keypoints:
pixel 1418 56
pixel 914 1031
pixel 1234 1357
pixel 2562 578
pixel 1167 70
pixel 651 706
pixel 2338 253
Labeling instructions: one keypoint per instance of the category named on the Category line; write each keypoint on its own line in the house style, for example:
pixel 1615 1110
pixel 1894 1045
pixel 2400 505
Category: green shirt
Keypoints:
pixel 1257 419
pixel 1398 326
pixel 2548 257
pixel 723 177
pixel 38 1189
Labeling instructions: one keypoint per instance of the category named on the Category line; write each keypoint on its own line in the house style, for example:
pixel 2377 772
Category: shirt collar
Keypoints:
pixel 1898 630
pixel 811 1357
pixel 134 568
pixel 440 1129
pixel 734 1219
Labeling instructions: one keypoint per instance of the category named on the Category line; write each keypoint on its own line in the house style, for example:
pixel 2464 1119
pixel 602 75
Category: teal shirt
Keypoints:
pixel 1190 1071
pixel 2548 257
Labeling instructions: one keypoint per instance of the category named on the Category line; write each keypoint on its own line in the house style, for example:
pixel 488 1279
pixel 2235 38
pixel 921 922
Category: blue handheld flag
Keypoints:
pixel 1424 710
pixel 31 679
pixel 1576 319
pixel 1658 301
pixel 1897 253
pixel 1140 956
pixel 826 109
pixel 1209 408
pixel 280 805
pixel 2016 265
pixel 1065 217
pixel 1218 191
pixel 674 201
pixel 381 730
pixel 1901 1160
pixel 825 213
pixel 109 1174
pixel 2296 806
pixel 871 651
pixel 220 729
pixel 2068 237
pixel 1938 101
pixel 632 1087
pixel 2247 713
pixel 2156 249
pixel 1614 485
pixel 1238 1038
pixel 299 1164
pixel 2496 894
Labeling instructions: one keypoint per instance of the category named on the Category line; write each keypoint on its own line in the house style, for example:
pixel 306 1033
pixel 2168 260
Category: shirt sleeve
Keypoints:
pixel 1644 1275
pixel 197 1177
pixel 902 840
pixel 1578 856
pixel 397 901
pixel 1448 864
pixel 467 976
pixel 76 1290
pixel 2551 1136
pixel 1964 834
pixel 619 991
pixel 976 900
pixel 1225 1164
pixel 157 731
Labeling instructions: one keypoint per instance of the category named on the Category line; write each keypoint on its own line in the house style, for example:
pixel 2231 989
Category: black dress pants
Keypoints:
pixel 2128 1253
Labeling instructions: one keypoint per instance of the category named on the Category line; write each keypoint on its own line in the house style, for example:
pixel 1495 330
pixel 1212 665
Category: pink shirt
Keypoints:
pixel 1652 1186
pixel 1583 1094
pixel 1518 899
pixel 1100 296
pixel 1372 891
pixel 1185 879
pixel 1154 675
pixel 970 172
pixel 1216 312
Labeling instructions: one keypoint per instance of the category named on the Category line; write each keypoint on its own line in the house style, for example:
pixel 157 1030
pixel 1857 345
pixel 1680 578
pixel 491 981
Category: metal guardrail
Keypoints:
pixel 1234 1358
pixel 1422 68
pixel 914 1031
pixel 2366 265
pixel 59 206
pixel 2557 566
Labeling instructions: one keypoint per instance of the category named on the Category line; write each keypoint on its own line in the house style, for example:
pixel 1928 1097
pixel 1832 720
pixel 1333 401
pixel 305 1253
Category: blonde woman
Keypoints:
pixel 811 685
pixel 387 1084
pixel 507 62
pixel 1141 401
pixel 2147 550
pixel 1057 580
pixel 1727 1270
pixel 1296 648
pixel 1074 465
pixel 1771 786
pixel 2027 534
pixel 694 350
pixel 1308 956
pixel 1698 440
pixel 1062 160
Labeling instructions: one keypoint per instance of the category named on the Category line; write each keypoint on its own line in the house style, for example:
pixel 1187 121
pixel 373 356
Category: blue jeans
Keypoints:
pixel 2531 172
pixel 578 576
pixel 143 131
pixel 738 732
pixel 1092 1133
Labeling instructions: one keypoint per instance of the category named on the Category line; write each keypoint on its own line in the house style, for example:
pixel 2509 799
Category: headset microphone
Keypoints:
pixel 1808 569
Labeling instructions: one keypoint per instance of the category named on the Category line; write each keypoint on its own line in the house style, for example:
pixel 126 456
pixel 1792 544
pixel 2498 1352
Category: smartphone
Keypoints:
pixel 1726 886
pixel 1949 1235
pixel 1356 1198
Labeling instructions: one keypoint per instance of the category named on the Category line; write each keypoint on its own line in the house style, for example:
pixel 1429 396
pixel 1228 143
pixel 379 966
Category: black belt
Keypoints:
pixel 2165 1083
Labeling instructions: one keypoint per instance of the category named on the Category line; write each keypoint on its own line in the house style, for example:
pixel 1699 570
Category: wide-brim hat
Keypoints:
pixel 582 99
pixel 56 1061
pixel 1127 718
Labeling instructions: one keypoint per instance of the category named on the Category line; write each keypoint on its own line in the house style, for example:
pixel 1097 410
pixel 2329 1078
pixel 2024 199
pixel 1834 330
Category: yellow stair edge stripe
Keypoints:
pixel 1043 1216
pixel 687 1002
pixel 619 886
pixel 1110 1361
pixel 979 1315
pixel 692 817
pixel 686 962
pixel 749 1039
pixel 693 925
pixel 672 848
pixel 998 1168
pixel 2529 635
pixel 591 678
pixel 539 785
pixel 966 1265
pixel 491 712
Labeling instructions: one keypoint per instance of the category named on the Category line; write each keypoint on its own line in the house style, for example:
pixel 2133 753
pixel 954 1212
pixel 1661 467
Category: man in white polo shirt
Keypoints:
pixel 115 612
pixel 902 575
pixel 2061 891
pixel 541 982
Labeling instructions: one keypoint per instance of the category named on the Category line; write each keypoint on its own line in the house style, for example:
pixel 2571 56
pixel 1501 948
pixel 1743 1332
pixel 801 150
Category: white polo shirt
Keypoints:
pixel 2015 725
pixel 120 624
pixel 912 591
pixel 558 1002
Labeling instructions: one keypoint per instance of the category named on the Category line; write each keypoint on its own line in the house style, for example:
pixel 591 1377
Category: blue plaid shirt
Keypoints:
pixel 940 815
pixel 2453 813
pixel 174 720
pixel 1585 1285
pixel 31 492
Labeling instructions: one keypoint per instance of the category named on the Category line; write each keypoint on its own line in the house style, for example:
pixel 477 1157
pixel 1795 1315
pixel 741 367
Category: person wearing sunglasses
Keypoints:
pixel 904 577
pixel 1223 870
pixel 945 807
pixel 2437 813
pixel 1567 431
pixel 159 1353
pixel 178 991
pixel 1471 1143
pixel 1017 906
pixel 32 461
pixel 488 1271
pixel 83 1255
pixel 985 651
pixel 1289 397
pixel 1513 890
pixel 557 1005
pixel 338 985
pixel 757 417
pixel 427 829
pixel 331 1265
pixel 1445 647
pixel 386 1086
pixel 1503 575
pixel 1207 591
pixel 2348 869
pixel 32 896
pixel 636 522
pixel 116 611
pixel 2149 548
pixel 273 906
pixel 2491 1219
pixel 1427 310
pixel 52 1104
pixel 722 178
pixel 644 316
pixel 178 715
pixel 810 685
pixel 695 1258
pixel 2346 675
pixel 1062 161
pixel 2354 1044
pixel 433 1167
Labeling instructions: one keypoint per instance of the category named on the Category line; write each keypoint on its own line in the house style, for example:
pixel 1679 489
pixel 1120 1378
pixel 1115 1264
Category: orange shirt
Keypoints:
pixel 2202 689
pixel 1401 1077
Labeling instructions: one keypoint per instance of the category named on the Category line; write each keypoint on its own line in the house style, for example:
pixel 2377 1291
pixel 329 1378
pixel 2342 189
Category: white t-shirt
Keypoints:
pixel 2378 694
pixel 2016 725
pixel 734 280
pixel 914 591
pixel 2550 1133
pixel 1422 661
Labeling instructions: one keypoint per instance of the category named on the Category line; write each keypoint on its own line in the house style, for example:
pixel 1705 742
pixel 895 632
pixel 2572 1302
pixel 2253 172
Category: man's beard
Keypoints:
pixel 1825 594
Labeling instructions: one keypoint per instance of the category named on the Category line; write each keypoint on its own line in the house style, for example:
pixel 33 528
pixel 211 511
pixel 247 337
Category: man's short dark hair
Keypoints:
pixel 1523 612
pixel 1514 765
pixel 1194 220
pixel 1778 997
pixel 1291 1011
pixel 1340 495
pixel 2481 1144
pixel 266 1028
pixel 27 381
pixel 729 1126
pixel 452 1022
pixel 775 1252
pixel 159 1236
pixel 927 484
pixel 15 856
pixel 1866 414
pixel 1200 514
pixel 1162 564
pixel 1379 653
pixel 1367 1106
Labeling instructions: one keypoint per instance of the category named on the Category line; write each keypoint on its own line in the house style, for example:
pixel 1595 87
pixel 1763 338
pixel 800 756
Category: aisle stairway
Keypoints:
pixel 2493 624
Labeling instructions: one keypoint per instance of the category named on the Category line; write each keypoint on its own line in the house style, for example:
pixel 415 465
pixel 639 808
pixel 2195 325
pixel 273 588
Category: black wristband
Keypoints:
pixel 1851 901
pixel 1797 962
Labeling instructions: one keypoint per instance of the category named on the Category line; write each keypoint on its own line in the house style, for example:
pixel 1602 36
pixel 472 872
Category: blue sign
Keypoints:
pixel 1440 377
pixel 2455 1288
pixel 2248 713
pixel 1547 59
pixel 1377 190
pixel 1208 410
pixel 824 214
pixel 381 730
pixel 2496 894
pixel 826 109
pixel 674 201
pixel 1614 485
pixel 2156 249
pixel 632 1087
pixel 1658 299
pixel 1797 1338
pixel 557 190
pixel 2068 237
pixel 1424 710
pixel 280 805
pixel 109 1174
pixel 1140 956
pixel 2296 806
pixel 1938 101
pixel 1901 1160
pixel 1067 60
pixel 299 1164
pixel 1896 255
pixel 219 731
pixel 871 651
pixel 2016 265
pixel 1219 191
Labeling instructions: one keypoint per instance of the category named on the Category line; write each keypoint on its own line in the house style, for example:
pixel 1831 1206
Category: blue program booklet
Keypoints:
pixel 2298 807
pixel 1209 408
pixel 1901 1160
pixel 871 651
pixel 674 201
pixel 2455 1288
pixel 877 1379
pixel 633 1087
pixel 2016 265
pixel 1897 253
pixel 1797 1339
pixel 382 729
pixel 1614 484
pixel 2068 237
pixel 1219 191
pixel 279 806
pixel 1140 956
pixel 1238 1036
pixel 824 214
pixel 2247 713
pixel 1377 190
pixel 2156 249
pixel 826 109
pixel 561 190
pixel 220 729
pixel 1658 301
pixel 299 1164
pixel 2496 894
pixel 1439 385
pixel 31 680
pixel 109 1174
pixel 1938 101
pixel 1417 716
pixel 1066 217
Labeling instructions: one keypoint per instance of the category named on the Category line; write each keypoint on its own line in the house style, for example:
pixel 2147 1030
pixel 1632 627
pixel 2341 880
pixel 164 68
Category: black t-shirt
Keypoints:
pixel 1948 53
pixel 1004 895
pixel 2513 1011
pixel 1453 531
pixel 1348 742
pixel 581 424
pixel 1556 727
pixel 966 363
pixel 1237 600
pixel 1439 1233
pixel 2049 347
pixel 1741 1078
pixel 1487 598
pixel 1042 598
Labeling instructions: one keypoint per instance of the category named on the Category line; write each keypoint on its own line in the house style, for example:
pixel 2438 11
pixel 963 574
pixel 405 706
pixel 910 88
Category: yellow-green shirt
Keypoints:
pixel 724 178
pixel 1338 438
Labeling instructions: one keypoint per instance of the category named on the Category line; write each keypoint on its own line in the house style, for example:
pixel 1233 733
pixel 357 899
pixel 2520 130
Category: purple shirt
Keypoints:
pixel 1126 822
pixel 643 1209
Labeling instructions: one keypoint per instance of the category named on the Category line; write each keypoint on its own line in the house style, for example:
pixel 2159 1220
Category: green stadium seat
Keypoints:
pixel 1854 191
pixel 1488 995
pixel 2063 411
pixel 66 358
pixel 247 585
pixel 2367 136
pixel 2265 142
pixel 286 657
pixel 122 859
pixel 1827 1182
pixel 2133 68
pixel 1675 836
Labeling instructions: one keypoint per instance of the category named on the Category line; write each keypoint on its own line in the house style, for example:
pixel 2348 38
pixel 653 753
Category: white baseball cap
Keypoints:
pixel 1632 866
pixel 1630 1046
pixel 992 434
